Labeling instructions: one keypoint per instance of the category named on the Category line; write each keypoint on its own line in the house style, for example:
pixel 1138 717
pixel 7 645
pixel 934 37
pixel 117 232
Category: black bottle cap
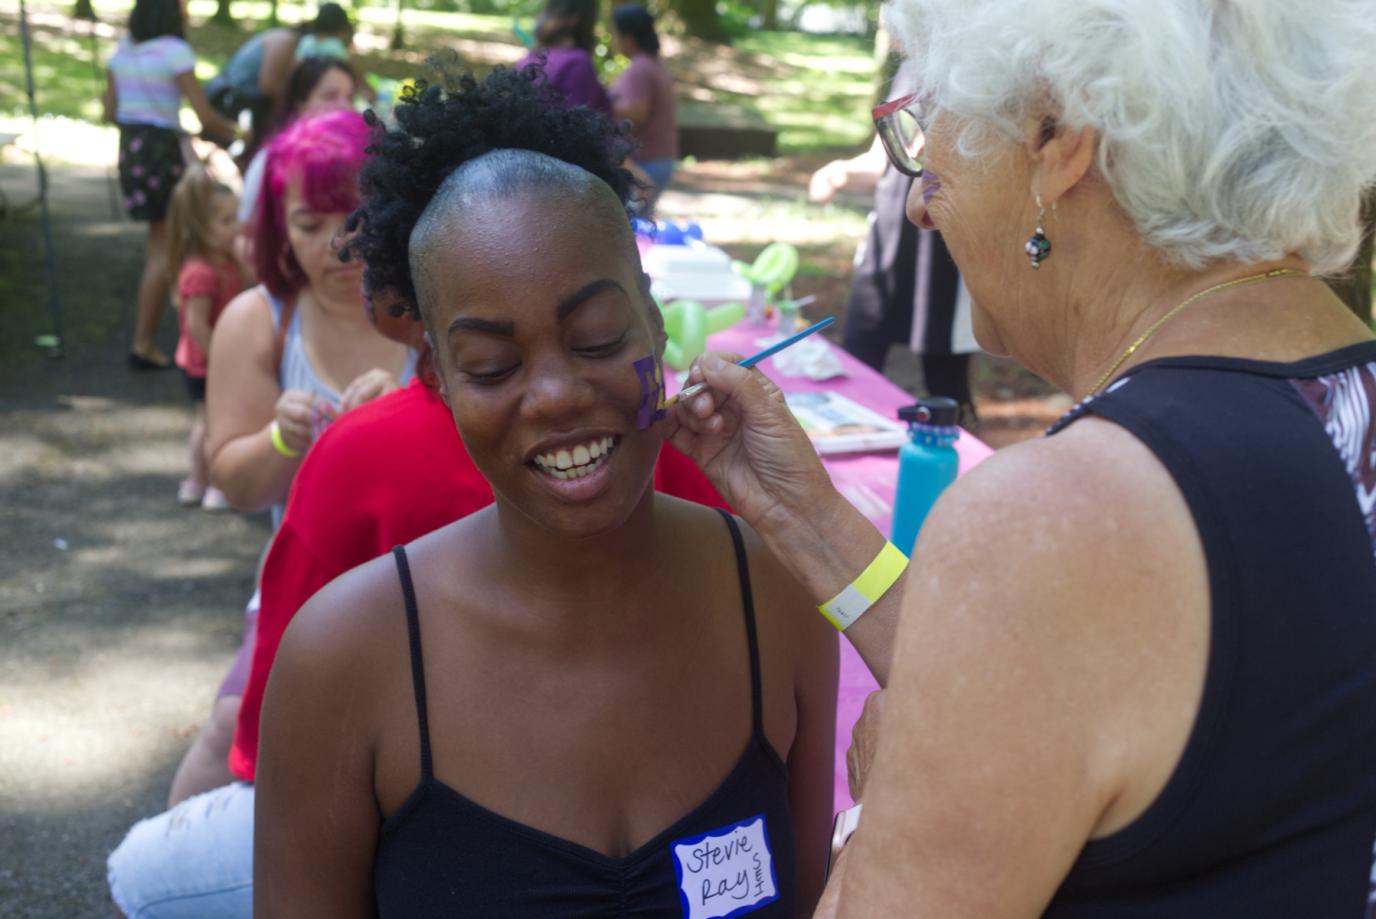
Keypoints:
pixel 937 411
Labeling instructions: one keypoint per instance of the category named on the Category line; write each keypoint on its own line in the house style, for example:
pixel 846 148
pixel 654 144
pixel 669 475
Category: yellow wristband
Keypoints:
pixel 278 444
pixel 855 600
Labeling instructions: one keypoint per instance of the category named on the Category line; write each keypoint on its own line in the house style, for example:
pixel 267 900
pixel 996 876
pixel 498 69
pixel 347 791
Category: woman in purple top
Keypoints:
pixel 644 93
pixel 564 40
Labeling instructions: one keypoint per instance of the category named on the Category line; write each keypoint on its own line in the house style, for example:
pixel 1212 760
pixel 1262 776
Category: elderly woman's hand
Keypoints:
pixel 863 739
pixel 742 434
pixel 366 387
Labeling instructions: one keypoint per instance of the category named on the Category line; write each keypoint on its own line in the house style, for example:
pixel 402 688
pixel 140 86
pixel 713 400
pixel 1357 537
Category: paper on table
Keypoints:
pixel 835 424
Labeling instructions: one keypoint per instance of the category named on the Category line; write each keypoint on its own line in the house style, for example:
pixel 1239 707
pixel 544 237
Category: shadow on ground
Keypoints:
pixel 119 611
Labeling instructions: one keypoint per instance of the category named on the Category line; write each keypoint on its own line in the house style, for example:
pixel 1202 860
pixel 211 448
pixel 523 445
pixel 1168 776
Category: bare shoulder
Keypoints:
pixel 1069 571
pixel 246 325
pixel 344 624
pixel 1091 493
pixel 785 614
pixel 1083 539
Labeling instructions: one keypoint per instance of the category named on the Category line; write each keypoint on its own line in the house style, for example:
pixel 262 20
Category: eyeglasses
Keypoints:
pixel 899 124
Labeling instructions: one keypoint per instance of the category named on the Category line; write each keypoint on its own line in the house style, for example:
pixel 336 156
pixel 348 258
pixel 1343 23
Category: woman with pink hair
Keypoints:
pixel 292 353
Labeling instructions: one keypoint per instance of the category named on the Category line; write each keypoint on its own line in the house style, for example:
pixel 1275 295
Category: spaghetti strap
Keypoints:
pixel 748 602
pixel 283 315
pixel 408 592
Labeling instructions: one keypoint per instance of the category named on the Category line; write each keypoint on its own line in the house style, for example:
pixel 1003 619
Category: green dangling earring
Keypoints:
pixel 1038 247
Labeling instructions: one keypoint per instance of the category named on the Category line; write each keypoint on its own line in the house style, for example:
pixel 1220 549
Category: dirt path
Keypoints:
pixel 119 611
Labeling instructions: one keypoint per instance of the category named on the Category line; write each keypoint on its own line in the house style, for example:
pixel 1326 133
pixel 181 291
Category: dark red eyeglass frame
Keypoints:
pixel 888 133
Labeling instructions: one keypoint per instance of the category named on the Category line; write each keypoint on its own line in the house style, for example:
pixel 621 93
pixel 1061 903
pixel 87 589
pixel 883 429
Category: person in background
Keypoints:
pixel 565 37
pixel 644 94
pixel 1133 663
pixel 298 349
pixel 256 75
pixel 905 288
pixel 202 228
pixel 317 85
pixel 151 71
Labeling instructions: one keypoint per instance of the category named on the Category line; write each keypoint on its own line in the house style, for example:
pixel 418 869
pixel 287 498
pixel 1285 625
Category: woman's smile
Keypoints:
pixel 579 469
pixel 581 461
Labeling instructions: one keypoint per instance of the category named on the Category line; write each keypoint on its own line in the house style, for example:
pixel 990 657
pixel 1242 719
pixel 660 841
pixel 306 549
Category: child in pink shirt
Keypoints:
pixel 202 225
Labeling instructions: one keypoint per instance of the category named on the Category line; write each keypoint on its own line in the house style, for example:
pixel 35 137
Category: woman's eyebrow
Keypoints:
pixel 303 212
pixel 504 327
pixel 582 295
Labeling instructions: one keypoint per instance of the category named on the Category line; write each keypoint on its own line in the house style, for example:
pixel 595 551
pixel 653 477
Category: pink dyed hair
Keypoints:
pixel 323 155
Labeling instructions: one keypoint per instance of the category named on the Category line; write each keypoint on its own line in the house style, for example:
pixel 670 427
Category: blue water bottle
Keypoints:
pixel 926 464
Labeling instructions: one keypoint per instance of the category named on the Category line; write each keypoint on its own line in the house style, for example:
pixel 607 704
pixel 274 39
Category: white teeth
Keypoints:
pixel 582 460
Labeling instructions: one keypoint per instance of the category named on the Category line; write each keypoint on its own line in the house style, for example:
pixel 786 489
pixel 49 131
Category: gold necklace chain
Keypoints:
pixel 1141 339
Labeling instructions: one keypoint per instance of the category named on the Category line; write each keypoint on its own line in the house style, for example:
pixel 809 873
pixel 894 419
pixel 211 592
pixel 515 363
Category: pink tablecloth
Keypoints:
pixel 868 481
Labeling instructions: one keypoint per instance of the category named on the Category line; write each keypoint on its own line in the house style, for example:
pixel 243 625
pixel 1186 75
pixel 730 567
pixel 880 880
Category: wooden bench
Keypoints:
pixel 713 131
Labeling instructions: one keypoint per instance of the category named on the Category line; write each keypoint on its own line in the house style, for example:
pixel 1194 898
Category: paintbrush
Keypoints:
pixel 754 359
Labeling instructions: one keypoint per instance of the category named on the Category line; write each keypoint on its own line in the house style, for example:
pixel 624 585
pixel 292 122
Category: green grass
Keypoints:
pixel 819 89
pixel 815 90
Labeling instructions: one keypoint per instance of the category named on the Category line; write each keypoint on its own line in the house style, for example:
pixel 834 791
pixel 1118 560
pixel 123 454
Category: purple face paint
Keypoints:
pixel 931 184
pixel 651 375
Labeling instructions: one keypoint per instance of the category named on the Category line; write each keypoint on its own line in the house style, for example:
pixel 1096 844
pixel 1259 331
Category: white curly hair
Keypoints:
pixel 1229 129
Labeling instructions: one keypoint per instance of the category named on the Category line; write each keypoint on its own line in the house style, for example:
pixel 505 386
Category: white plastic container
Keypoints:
pixel 699 272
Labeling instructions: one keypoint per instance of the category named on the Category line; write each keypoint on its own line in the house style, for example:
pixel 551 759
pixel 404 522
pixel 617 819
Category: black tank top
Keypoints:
pixel 442 854
pixel 1271 811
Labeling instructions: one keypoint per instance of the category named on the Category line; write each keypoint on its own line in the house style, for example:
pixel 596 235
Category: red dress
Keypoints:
pixel 221 282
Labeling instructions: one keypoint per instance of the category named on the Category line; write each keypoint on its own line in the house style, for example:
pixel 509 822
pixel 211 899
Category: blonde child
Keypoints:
pixel 202 228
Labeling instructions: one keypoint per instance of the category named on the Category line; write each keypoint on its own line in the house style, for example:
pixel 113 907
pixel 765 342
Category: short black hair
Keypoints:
pixel 330 19
pixel 442 127
pixel 633 20
pixel 307 74
pixel 575 20
pixel 155 18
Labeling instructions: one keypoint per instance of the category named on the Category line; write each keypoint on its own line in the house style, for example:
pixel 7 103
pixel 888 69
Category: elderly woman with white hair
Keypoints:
pixel 1133 662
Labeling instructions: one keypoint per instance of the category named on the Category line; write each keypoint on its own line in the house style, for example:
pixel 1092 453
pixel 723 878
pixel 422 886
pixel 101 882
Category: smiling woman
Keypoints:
pixel 547 707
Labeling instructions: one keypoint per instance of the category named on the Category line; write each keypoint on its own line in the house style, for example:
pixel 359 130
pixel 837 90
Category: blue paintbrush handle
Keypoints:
pixel 756 358
pixel 790 340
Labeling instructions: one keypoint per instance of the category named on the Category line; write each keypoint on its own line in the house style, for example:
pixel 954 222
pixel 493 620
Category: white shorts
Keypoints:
pixel 194 861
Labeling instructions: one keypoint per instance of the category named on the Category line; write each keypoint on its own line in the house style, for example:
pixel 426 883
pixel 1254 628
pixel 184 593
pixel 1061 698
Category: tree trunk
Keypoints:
pixel 769 16
pixel 700 19
pixel 398 36
pixel 223 16
pixel 272 14
pixel 84 10
pixel 1355 287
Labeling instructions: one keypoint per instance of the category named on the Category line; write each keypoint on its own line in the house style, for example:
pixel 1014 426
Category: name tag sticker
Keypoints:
pixel 727 872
